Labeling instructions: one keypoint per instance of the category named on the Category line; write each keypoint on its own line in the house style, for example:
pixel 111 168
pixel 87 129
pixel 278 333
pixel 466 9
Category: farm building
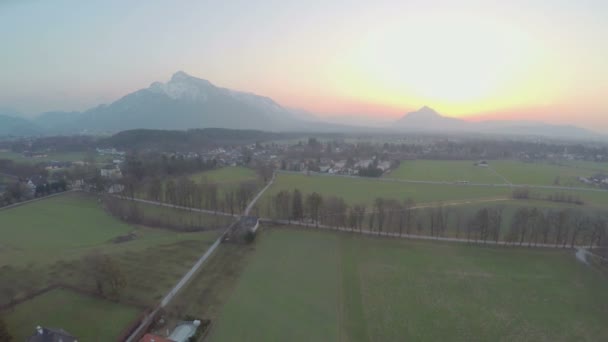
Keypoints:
pixel 51 335
pixel 243 230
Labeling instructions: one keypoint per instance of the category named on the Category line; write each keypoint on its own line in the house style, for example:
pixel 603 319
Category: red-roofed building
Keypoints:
pixel 154 338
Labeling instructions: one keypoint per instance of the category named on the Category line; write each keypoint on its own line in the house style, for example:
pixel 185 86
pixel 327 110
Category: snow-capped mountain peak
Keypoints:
pixel 183 86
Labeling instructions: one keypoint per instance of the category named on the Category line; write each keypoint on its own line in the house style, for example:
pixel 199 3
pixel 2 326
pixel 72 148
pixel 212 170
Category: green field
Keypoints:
pixel 69 226
pixel 87 318
pixel 316 286
pixel 445 171
pixel 518 172
pixel 357 190
pixel 50 156
pixel 365 190
pixel 44 243
pixel 513 171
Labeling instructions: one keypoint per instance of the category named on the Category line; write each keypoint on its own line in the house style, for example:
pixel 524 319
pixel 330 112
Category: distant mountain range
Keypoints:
pixel 426 119
pixel 186 102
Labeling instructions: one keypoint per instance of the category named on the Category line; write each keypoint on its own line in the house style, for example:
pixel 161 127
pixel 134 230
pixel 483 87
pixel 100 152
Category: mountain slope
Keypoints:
pixel 186 102
pixel 428 119
pixel 14 126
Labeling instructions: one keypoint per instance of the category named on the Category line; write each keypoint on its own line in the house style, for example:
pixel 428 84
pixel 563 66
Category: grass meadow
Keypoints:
pixel 51 156
pixel 500 172
pixel 87 318
pixel 320 286
pixel 445 171
pixel 44 243
pixel 365 190
pixel 357 190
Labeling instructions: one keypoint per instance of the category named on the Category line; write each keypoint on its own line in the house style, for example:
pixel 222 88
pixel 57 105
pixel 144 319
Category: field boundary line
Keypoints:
pixel 14 205
pixel 411 181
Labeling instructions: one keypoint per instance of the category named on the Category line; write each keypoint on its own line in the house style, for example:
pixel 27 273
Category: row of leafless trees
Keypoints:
pixel 383 216
pixel 185 192
pixel 565 227
pixel 133 212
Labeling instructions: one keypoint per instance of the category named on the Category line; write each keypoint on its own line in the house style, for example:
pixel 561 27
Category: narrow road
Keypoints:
pixel 259 195
pixel 145 323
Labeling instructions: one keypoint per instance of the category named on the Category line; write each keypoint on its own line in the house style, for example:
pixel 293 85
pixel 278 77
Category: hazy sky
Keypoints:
pixel 540 60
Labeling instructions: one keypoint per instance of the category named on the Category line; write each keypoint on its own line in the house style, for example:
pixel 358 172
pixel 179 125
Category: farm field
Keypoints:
pixel 370 289
pixel 365 190
pixel 518 172
pixel 45 242
pixel 69 226
pixel 356 190
pixel 87 318
pixel 57 156
pixel 445 171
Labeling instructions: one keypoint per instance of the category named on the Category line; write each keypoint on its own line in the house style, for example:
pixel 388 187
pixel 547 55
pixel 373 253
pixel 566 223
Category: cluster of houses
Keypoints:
pixel 334 167
pixel 600 180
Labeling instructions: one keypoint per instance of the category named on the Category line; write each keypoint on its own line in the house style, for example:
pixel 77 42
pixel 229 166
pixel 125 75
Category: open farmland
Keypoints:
pixel 445 171
pixel 318 286
pixel 51 156
pixel 541 173
pixel 227 178
pixel 364 190
pixel 88 318
pixel 46 242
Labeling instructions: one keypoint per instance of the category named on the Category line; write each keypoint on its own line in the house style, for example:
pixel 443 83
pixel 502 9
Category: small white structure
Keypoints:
pixel 184 330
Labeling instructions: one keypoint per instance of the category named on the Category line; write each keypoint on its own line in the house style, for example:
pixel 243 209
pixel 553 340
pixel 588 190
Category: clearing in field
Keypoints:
pixel 85 317
pixel 445 171
pixel 318 286
pixel 45 242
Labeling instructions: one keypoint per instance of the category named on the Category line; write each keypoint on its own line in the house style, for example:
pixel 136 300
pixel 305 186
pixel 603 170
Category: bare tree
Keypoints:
pixel 106 273
pixel 154 189
pixel 281 204
pixel 380 208
pixel 599 231
pixel 297 206
pixel 314 202
pixel 360 213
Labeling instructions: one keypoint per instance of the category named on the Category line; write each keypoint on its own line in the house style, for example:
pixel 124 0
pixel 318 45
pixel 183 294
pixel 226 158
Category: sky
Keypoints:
pixel 542 60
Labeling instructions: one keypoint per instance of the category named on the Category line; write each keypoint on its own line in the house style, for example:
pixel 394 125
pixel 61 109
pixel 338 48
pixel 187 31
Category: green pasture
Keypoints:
pixel 320 286
pixel 366 190
pixel 46 241
pixel 445 171
pixel 87 318
pixel 540 173
pixel 50 156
